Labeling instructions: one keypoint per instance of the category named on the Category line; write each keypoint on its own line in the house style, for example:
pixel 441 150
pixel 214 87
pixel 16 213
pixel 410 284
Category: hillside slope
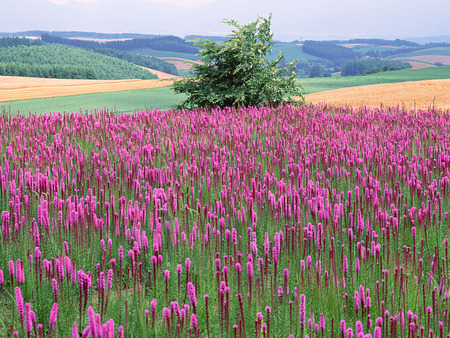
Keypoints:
pixel 61 58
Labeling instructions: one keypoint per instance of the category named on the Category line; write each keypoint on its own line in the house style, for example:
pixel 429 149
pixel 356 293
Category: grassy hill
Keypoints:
pixel 99 66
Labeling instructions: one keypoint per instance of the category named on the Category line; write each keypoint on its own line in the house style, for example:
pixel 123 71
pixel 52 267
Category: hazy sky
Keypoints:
pixel 292 19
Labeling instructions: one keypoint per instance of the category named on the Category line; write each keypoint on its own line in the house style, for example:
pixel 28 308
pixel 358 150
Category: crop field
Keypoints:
pixel 324 84
pixel 428 51
pixel 122 101
pixel 272 222
pixel 164 98
pixel 425 58
pixel 412 95
pixel 54 89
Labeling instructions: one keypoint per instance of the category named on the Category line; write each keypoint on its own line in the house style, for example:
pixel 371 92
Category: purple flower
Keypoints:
pixel 302 310
pixel 86 332
pixel 28 320
pixel 19 301
pixel 377 332
pixel 322 322
pixel 11 268
pixel 194 320
pixel 191 293
pixel 53 317
pixel 75 331
pixel 91 315
pixel 187 264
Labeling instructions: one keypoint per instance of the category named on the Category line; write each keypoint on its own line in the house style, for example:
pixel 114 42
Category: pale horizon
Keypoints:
pixel 291 20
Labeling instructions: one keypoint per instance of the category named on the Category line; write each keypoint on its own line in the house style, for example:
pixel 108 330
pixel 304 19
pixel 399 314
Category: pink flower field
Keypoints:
pixel 296 221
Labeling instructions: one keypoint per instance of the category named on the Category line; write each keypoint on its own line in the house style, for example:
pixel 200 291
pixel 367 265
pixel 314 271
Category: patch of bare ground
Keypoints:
pixel 419 64
pixel 161 75
pixel 352 45
pixel 444 59
pixel 411 95
pixel 179 63
pixel 32 88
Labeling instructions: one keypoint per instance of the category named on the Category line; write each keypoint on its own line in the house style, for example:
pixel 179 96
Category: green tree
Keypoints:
pixel 236 71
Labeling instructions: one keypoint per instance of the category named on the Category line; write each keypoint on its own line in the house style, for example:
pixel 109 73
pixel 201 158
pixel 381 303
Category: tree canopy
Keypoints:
pixel 236 71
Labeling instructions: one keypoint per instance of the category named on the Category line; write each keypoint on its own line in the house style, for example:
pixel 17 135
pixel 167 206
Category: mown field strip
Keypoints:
pixel 413 94
pixel 15 82
pixel 36 91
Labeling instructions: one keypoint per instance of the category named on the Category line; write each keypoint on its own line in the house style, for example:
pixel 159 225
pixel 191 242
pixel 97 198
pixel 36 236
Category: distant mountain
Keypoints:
pixel 207 37
pixel 78 34
pixel 431 39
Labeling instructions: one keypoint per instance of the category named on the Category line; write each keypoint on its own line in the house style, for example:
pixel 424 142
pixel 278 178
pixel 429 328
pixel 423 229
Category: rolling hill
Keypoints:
pixel 56 61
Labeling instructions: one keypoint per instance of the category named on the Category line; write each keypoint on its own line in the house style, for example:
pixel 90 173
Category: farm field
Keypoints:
pixel 425 58
pixel 411 95
pixel 122 101
pixel 56 89
pixel 263 222
pixel 324 84
pixel 164 98
pixel 16 82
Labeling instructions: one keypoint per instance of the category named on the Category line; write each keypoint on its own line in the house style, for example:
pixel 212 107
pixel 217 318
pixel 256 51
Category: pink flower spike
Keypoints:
pixel 75 331
pixel 53 317
pixel 28 320
pixel 19 301
pixel 11 268
pixel 86 332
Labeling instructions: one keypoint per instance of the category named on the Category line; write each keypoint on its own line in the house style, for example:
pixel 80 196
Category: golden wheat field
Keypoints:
pixel 20 88
pixel 414 94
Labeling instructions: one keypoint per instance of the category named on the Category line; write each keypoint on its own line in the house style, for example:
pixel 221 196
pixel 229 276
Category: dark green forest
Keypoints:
pixel 329 51
pixel 16 41
pixel 380 42
pixel 95 65
pixel 371 66
pixel 46 71
pixel 140 60
pixel 164 43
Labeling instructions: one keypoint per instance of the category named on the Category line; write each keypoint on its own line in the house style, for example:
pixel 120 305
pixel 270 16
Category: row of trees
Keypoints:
pixel 389 52
pixel 164 43
pixel 381 42
pixel 96 35
pixel 140 60
pixel 46 71
pixel 313 69
pixel 16 41
pixel 371 66
pixel 329 51
pixel 105 67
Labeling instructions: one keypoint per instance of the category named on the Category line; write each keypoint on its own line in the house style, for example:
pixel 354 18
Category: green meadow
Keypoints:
pixel 124 101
